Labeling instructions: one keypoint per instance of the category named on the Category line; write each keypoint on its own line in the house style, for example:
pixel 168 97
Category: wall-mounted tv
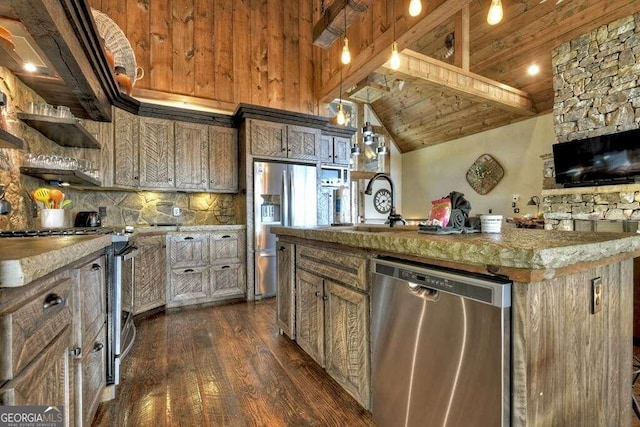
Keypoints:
pixel 600 160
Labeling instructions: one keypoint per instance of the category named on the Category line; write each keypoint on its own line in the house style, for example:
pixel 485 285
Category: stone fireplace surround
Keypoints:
pixel 596 79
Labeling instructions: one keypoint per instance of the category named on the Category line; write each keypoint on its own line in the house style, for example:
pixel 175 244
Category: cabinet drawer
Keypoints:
pixel 188 250
pixel 335 265
pixel 25 332
pixel 188 285
pixel 227 247
pixel 227 280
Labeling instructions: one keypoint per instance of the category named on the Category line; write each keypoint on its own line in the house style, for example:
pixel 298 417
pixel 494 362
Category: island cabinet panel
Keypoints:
pixel 572 367
pixel 191 156
pixel 125 150
pixel 347 339
pixel 157 144
pixel 47 381
pixel 223 159
pixel 93 375
pixel 150 283
pixel 286 292
pixel 268 139
pixel 340 266
pixel 310 315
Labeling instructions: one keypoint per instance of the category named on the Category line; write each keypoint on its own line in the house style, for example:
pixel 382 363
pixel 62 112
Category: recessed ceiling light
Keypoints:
pixel 533 69
pixel 28 66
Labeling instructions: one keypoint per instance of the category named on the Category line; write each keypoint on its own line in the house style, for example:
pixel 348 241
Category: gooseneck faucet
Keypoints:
pixel 393 216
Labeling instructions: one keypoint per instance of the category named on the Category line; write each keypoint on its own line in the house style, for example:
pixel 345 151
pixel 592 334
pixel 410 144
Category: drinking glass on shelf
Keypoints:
pixel 48 110
pixel 33 108
pixel 64 112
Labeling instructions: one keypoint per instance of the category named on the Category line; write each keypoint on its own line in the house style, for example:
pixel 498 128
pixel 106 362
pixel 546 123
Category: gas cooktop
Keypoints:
pixel 75 231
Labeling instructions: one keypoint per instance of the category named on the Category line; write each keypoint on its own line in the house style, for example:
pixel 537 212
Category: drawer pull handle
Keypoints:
pixel 52 300
pixel 226 236
pixel 318 294
pixel 189 270
pixel 188 238
pixel 324 298
pixel 282 248
pixel 76 352
pixel 96 267
pixel 97 346
pixel 225 266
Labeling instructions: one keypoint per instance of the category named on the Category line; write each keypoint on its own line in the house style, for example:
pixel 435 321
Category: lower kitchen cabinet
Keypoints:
pixel 150 275
pixel 92 374
pixel 286 292
pixel 188 286
pixel 332 318
pixel 226 280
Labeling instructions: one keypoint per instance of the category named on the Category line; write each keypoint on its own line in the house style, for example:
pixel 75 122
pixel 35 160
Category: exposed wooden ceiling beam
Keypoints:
pixel 331 25
pixel 461 37
pixel 372 58
pixel 464 83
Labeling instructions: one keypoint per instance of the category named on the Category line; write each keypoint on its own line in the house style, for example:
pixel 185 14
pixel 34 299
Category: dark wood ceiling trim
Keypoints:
pixel 372 58
pixel 330 27
pixel 248 111
pixel 464 83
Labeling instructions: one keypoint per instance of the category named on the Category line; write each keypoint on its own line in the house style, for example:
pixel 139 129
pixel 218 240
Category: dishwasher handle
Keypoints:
pixel 427 294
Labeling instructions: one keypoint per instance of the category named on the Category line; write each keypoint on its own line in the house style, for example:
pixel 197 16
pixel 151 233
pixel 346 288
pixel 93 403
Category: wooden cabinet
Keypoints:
pixel 285 294
pixel 150 282
pixel 206 266
pixel 93 374
pixel 125 150
pixel 90 302
pixel 191 156
pixel 332 316
pixel 334 150
pixel 156 145
pixel 280 140
pixel 223 160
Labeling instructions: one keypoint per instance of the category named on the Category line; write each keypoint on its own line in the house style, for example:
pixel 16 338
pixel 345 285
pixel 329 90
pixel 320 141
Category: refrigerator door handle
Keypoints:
pixel 285 199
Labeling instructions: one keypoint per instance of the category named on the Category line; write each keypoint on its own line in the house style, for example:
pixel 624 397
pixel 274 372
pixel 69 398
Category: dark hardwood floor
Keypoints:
pixel 224 366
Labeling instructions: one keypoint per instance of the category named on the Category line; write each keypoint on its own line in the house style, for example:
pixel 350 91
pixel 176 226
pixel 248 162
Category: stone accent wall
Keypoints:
pixel 597 92
pixel 123 208
pixel 595 78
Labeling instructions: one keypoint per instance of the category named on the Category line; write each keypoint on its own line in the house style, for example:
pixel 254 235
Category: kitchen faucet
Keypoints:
pixel 393 216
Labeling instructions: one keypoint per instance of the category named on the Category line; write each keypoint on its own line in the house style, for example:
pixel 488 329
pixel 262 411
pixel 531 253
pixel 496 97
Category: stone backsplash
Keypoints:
pixel 597 92
pixel 123 207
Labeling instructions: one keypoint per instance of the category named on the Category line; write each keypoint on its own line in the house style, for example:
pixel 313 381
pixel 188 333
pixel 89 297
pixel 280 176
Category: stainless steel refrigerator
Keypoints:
pixel 284 194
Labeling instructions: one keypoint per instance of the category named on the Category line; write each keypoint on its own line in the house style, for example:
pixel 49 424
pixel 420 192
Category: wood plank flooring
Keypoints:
pixel 224 366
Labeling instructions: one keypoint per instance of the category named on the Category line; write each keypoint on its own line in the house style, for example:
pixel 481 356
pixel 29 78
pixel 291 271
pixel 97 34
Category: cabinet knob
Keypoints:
pixel 203 181
pixel 75 352
pixel 97 346
pixel 96 267
pixel 324 298
pixel 318 294
pixel 135 177
pixel 170 179
pixel 52 300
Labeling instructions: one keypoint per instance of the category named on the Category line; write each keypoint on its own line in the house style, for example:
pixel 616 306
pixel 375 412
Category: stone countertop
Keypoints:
pixel 516 248
pixel 24 259
pixel 186 228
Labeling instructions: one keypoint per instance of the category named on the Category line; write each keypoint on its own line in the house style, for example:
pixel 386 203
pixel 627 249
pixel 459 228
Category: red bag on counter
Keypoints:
pixel 440 212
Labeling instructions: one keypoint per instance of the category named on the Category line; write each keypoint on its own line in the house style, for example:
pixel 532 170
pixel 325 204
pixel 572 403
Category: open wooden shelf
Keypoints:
pixel 7 140
pixel 74 177
pixel 65 132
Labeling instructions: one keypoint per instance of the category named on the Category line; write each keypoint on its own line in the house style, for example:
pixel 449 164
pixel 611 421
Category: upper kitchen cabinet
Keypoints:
pixel 223 159
pixel 157 156
pixel 191 156
pixel 281 140
pixel 59 38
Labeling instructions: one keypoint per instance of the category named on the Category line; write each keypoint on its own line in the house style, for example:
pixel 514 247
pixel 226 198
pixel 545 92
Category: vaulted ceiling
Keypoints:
pixel 438 100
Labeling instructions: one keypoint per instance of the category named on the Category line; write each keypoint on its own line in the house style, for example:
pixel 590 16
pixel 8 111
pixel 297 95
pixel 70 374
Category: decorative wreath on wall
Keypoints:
pixel 484 174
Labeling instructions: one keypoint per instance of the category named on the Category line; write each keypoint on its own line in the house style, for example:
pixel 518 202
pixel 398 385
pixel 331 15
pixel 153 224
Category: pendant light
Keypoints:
pixel 495 12
pixel 346 55
pixel 415 7
pixel 394 61
pixel 340 117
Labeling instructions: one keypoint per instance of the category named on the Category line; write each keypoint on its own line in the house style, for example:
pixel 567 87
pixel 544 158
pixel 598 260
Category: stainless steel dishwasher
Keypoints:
pixel 440 346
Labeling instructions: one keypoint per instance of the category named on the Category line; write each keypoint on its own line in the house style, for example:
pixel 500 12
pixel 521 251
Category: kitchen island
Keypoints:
pixel 570 365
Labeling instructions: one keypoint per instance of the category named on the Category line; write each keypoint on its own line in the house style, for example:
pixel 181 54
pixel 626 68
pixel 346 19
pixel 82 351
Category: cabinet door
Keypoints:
pixel 48 381
pixel 310 315
pixel 93 377
pixel 188 250
pixel 268 139
pixel 325 149
pixel 150 274
pixel 92 299
pixel 223 159
pixel 227 280
pixel 189 286
pixel 125 172
pixel 156 145
pixel 347 339
pixel 301 142
pixel 192 156
pixel 341 151
pixel 227 247
pixel 286 292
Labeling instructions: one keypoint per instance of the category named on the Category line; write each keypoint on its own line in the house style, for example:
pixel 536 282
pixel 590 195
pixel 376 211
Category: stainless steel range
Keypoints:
pixel 120 326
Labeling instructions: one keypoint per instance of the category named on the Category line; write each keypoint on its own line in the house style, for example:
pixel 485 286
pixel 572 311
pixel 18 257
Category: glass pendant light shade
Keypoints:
pixel 367 129
pixel 355 149
pixel 340 118
pixel 495 12
pixel 415 7
pixel 346 55
pixel 394 61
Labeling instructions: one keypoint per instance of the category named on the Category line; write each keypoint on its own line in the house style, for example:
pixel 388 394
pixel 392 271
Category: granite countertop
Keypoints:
pixel 514 247
pixel 186 228
pixel 24 259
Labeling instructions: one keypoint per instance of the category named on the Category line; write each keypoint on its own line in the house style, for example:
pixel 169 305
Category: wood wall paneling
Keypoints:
pixel 223 52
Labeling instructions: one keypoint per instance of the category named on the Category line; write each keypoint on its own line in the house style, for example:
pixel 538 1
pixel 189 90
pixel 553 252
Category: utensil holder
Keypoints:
pixel 52 218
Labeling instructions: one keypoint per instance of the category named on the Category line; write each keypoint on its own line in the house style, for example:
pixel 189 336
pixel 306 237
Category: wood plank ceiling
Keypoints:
pixel 424 113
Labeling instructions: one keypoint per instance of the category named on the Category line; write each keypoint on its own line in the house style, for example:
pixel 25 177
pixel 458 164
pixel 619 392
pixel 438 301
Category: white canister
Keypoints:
pixel 52 218
pixel 491 223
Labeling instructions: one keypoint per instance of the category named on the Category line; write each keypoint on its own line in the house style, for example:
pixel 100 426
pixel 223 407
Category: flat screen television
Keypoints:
pixel 599 160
